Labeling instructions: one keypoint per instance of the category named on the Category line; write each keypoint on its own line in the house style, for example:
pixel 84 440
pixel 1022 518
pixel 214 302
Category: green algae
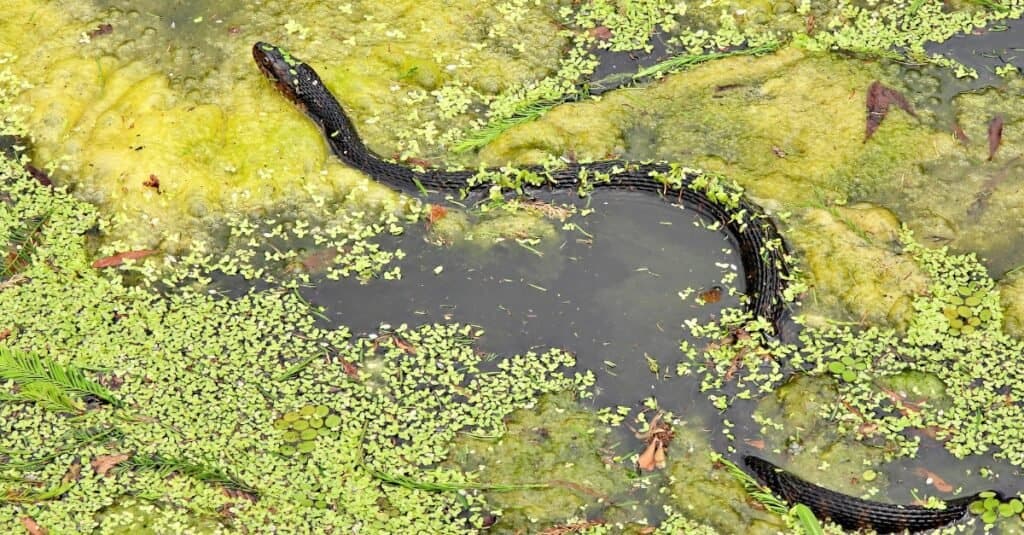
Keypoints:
pixel 704 491
pixel 197 374
pixel 972 417
pixel 555 439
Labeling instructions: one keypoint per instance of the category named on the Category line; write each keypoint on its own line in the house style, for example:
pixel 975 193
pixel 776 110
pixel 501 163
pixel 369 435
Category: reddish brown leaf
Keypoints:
pixel 234 493
pixel 32 527
pixel 959 134
pixel 102 29
pixel 879 99
pixel 152 182
pixel 119 258
pixel 102 464
pixel 995 135
pixel 601 33
pixel 566 529
pixel 318 261
pixel 711 295
pixel 755 443
pixel 74 472
pixel 350 369
pixel 39 175
pixel 933 478
pixel 653 457
pixel 437 213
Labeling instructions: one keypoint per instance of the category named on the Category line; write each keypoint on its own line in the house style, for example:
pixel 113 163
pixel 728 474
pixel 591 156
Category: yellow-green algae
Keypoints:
pixel 204 122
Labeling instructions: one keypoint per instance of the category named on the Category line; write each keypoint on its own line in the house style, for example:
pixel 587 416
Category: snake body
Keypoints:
pixel 854 513
pixel 761 250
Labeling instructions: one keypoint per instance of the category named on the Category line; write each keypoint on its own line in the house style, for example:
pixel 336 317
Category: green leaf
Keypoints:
pixel 808 522
pixel 47 382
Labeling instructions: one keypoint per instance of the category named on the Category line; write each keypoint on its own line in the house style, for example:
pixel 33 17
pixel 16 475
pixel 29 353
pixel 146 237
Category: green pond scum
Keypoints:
pixel 136 399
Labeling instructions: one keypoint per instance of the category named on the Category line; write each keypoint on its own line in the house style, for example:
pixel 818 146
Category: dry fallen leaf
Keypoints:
pixel 879 99
pixel 995 135
pixel 152 182
pixel 319 261
pixel 648 460
pixel 959 134
pixel 565 529
pixel 601 33
pixel 119 258
pixel 711 295
pixel 934 479
pixel 74 472
pixel 755 443
pixel 32 527
pixel 437 213
pixel 104 463
pixel 350 369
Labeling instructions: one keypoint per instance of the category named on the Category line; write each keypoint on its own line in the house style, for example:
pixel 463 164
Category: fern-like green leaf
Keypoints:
pixel 526 113
pixel 753 488
pixel 50 397
pixel 164 466
pixel 29 369
pixel 22 245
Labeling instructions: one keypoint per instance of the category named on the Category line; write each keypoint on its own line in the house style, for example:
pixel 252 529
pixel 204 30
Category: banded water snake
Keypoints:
pixel 761 249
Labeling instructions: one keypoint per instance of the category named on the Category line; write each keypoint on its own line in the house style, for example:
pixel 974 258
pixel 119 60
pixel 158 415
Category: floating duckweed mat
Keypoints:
pixel 947 374
pixel 201 383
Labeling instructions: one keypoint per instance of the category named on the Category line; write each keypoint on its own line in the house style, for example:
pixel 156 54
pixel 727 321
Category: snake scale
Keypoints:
pixel 760 245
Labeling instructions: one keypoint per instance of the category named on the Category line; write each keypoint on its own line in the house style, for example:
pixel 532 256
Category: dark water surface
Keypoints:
pixel 613 300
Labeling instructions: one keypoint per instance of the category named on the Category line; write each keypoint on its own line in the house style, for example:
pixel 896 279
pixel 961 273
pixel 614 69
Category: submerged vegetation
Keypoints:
pixel 136 397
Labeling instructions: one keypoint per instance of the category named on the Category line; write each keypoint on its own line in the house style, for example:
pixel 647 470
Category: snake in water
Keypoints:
pixel 761 250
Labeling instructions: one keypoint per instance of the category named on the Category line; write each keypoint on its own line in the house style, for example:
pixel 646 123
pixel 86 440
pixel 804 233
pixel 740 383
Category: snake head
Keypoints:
pixel 293 78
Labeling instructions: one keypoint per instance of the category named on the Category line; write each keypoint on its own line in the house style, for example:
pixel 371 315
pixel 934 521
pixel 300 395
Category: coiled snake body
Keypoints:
pixel 761 250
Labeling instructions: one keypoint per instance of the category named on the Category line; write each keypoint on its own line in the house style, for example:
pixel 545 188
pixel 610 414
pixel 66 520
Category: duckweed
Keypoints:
pixel 300 428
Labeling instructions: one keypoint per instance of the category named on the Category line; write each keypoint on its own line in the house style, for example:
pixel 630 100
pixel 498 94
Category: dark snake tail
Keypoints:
pixel 851 512
pixel 761 248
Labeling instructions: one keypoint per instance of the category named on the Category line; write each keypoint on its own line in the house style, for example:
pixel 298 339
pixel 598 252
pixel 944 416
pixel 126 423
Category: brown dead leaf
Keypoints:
pixel 564 529
pixel 995 135
pixel 238 494
pixel 878 101
pixel 711 295
pixel 74 472
pixel 104 463
pixel 755 443
pixel 40 175
pixel 119 258
pixel 403 345
pixel 4 334
pixel 102 29
pixel 32 527
pixel 319 261
pixel 601 33
pixel 15 280
pixel 934 480
pixel 648 460
pixel 152 182
pixel 960 135
pixel 437 213
pixel 350 369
